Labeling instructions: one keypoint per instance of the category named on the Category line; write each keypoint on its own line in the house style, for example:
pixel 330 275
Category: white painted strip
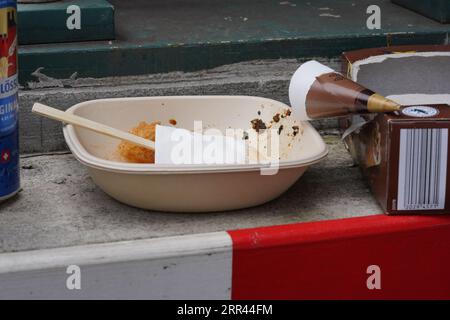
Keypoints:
pixel 185 267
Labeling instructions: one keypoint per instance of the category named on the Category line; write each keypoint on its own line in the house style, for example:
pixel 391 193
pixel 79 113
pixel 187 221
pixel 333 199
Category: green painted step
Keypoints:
pixel 187 35
pixel 47 22
pixel 436 9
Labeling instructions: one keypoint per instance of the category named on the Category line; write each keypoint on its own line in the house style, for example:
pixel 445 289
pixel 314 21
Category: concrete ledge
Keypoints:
pixel 265 78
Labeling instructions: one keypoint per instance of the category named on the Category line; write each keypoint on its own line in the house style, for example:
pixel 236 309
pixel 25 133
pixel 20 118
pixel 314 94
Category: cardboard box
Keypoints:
pixel 404 159
pixel 404 155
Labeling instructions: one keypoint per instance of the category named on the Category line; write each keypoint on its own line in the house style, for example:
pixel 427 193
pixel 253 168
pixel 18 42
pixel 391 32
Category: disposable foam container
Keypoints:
pixel 197 187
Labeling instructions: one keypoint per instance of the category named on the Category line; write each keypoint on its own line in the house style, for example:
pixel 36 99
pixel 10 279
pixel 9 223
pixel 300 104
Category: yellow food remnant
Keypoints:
pixel 134 153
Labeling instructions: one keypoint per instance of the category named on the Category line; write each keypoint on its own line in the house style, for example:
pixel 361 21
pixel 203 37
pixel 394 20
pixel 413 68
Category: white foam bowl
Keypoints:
pixel 190 188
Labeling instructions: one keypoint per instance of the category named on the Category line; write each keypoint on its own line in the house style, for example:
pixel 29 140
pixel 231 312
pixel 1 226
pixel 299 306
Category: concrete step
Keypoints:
pixel 189 35
pixel 438 10
pixel 268 78
pixel 47 22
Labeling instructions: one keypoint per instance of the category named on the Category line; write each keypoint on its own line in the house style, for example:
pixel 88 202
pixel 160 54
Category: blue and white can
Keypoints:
pixel 9 108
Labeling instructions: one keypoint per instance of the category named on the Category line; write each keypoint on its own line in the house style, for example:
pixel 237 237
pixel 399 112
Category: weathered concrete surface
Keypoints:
pixel 60 206
pixel 268 78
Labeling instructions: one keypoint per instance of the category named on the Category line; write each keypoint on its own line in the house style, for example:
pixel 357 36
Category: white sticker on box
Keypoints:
pixel 422 174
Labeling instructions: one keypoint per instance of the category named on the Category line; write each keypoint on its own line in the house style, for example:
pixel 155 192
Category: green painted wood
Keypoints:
pixel 436 9
pixel 187 35
pixel 46 22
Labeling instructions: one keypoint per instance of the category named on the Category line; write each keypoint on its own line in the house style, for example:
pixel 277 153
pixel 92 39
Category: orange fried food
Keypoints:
pixel 133 153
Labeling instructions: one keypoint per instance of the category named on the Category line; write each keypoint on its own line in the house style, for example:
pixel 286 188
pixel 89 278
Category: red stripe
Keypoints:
pixel 329 259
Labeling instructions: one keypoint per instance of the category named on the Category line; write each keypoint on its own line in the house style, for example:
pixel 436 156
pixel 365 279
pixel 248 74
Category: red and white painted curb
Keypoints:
pixel 374 257
pixel 334 259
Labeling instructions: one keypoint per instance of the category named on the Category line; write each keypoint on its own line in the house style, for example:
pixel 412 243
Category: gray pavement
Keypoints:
pixel 60 205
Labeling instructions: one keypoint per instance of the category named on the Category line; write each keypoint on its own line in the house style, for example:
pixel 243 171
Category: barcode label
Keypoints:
pixel 422 168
